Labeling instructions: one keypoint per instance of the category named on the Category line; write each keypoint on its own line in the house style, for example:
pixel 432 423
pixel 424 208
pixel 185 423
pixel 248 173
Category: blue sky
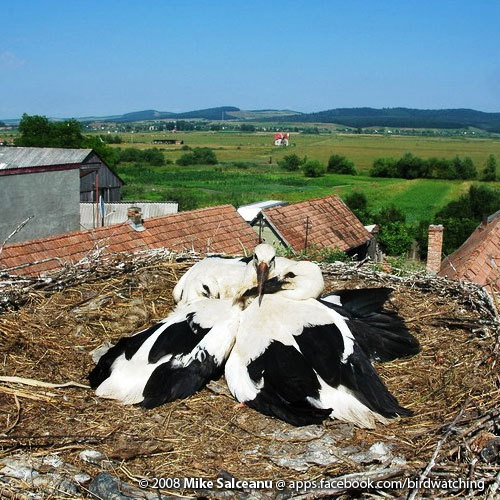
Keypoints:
pixel 97 57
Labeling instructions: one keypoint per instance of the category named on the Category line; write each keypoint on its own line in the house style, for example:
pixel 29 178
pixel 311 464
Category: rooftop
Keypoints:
pixel 330 224
pixel 214 229
pixel 250 211
pixel 478 259
pixel 21 157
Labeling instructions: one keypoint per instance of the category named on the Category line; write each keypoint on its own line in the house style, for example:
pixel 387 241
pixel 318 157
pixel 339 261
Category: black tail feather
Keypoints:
pixel 360 377
pixel 382 334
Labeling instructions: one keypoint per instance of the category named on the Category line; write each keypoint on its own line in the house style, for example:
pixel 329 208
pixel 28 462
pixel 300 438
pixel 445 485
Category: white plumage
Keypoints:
pixel 287 352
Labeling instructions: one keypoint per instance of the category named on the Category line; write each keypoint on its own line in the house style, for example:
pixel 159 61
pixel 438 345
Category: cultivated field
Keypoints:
pixel 257 179
pixel 361 149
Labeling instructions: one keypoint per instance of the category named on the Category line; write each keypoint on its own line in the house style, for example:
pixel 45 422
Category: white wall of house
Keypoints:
pixel 52 197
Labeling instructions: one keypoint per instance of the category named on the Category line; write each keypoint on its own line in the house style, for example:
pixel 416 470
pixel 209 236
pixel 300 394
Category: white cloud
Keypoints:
pixel 9 60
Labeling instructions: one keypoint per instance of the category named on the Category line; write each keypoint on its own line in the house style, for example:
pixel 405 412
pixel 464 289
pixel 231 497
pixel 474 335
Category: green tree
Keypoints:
pixel 313 168
pixel 290 162
pixel 205 156
pixel 383 167
pixel 38 131
pixel 410 166
pixel 339 164
pixel 464 168
pixel 396 238
pixel 389 215
pixel 34 131
pixel 441 168
pixel 490 169
pixel 356 200
pixel 107 154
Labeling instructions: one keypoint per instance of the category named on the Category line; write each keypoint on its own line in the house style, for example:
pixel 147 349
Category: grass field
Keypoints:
pixel 259 180
pixel 361 149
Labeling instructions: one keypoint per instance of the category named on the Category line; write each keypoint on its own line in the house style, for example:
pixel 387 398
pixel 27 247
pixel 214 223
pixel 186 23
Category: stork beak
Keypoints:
pixel 262 275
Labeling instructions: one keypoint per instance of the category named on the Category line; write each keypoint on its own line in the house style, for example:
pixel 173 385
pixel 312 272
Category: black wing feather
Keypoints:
pixel 168 382
pixel 127 345
pixel 288 381
pixel 382 334
pixel 323 347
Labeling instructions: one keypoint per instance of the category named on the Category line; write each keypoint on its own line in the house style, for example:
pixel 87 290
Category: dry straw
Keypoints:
pixel 50 326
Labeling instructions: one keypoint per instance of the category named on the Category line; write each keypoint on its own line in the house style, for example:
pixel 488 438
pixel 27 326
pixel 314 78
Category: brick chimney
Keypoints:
pixel 134 215
pixel 434 248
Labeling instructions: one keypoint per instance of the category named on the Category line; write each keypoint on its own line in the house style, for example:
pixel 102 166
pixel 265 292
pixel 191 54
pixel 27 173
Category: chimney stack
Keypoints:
pixel 134 215
pixel 434 248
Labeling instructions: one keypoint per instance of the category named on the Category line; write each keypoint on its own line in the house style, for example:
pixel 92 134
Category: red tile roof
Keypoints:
pixel 331 224
pixel 478 259
pixel 213 229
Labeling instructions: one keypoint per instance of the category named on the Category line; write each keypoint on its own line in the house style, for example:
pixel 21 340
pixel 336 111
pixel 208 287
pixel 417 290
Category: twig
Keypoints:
pixel 18 416
pixel 18 228
pixel 492 490
pixel 432 462
pixel 40 383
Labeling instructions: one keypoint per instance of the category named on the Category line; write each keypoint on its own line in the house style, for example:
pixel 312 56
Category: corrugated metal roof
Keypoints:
pixel 117 212
pixel 250 211
pixel 20 157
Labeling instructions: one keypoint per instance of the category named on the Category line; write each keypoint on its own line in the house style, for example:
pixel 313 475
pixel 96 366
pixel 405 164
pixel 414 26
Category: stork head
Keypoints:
pixel 264 258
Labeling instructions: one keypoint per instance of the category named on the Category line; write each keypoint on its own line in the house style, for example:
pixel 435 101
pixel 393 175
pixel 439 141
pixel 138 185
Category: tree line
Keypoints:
pixel 410 166
pixel 459 218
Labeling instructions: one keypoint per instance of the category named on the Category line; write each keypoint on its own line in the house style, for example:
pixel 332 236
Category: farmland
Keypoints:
pixel 245 173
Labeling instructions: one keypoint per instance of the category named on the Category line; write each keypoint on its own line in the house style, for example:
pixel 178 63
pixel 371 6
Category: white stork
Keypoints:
pixel 220 277
pixel 298 361
pixel 290 353
pixel 172 359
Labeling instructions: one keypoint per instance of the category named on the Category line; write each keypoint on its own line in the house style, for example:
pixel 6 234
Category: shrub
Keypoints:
pixel 396 238
pixel 441 168
pixel 313 168
pixel 388 215
pixel 154 156
pixel 198 156
pixel 186 159
pixel 464 168
pixel 383 167
pixel 290 162
pixel 490 169
pixel 205 156
pixel 411 167
pixel 339 164
pixel 356 201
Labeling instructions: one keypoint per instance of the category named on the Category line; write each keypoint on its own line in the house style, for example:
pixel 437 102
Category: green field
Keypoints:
pixel 361 149
pixel 260 180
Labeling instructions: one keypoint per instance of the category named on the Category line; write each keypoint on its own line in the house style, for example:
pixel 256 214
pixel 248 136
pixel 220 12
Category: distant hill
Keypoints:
pixel 400 117
pixel 219 113
pixel 261 114
pixel 351 117
pixel 136 116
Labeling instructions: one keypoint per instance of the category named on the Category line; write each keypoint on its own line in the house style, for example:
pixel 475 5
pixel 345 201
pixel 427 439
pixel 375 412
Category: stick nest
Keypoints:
pixel 50 326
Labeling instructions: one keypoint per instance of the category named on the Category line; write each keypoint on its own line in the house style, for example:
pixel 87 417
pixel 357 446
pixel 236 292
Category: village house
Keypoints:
pixel 478 259
pixel 47 185
pixel 215 229
pixel 322 222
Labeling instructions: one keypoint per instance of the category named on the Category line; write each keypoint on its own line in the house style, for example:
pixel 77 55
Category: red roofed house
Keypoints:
pixel 323 222
pixel 478 259
pixel 214 229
